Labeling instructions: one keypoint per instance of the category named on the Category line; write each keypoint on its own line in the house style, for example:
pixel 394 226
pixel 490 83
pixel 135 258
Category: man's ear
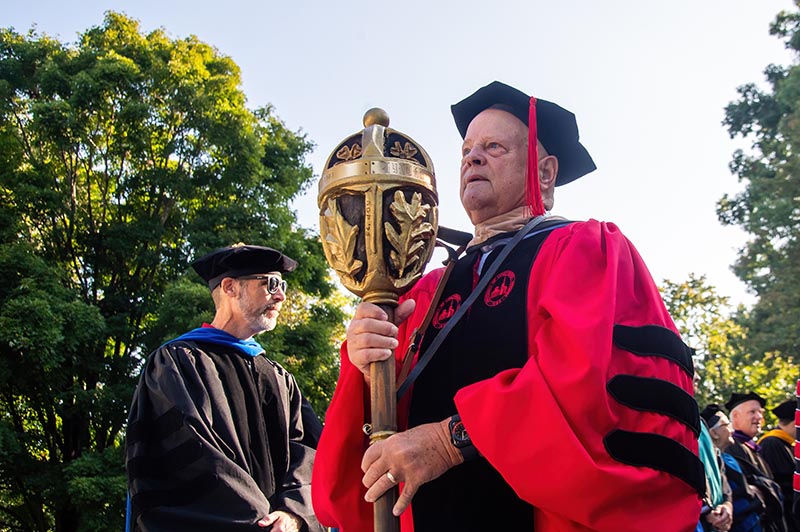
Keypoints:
pixel 229 286
pixel 548 171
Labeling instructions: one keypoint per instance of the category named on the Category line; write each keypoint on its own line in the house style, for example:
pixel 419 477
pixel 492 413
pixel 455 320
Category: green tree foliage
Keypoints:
pixel 121 158
pixel 769 206
pixel 701 316
pixel 708 325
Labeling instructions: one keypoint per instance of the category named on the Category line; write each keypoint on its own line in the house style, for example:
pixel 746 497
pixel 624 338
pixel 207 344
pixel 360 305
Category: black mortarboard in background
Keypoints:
pixel 739 398
pixel 240 260
pixel 709 414
pixel 785 410
pixel 556 128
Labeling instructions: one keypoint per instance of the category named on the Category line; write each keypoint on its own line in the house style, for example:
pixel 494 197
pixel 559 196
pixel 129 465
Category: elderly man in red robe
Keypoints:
pixel 560 400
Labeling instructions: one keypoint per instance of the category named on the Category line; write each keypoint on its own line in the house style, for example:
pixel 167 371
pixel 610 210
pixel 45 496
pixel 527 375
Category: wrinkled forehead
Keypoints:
pixel 497 124
pixel 496 121
pixel 493 125
pixel 750 406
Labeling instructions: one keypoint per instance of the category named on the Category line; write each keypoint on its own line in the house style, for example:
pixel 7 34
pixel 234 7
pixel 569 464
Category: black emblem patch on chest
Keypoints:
pixel 446 309
pixel 499 288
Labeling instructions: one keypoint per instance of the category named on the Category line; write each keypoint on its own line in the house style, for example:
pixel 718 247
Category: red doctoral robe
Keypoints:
pixel 554 411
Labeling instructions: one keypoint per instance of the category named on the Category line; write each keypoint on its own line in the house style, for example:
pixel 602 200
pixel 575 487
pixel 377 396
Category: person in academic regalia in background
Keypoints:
pixel 747 506
pixel 747 417
pixel 219 436
pixel 796 480
pixel 777 449
pixel 718 508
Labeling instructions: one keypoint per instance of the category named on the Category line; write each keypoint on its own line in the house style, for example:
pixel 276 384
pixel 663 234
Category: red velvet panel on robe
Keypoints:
pixel 336 489
pixel 542 426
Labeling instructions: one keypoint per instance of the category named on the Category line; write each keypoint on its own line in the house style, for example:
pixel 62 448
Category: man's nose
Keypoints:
pixel 476 155
pixel 279 295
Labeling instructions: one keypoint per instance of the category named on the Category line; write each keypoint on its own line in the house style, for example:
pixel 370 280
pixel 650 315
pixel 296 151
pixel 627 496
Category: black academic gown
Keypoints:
pixel 779 454
pixel 759 475
pixel 217 440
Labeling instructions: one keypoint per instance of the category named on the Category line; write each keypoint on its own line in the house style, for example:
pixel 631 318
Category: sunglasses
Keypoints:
pixel 273 282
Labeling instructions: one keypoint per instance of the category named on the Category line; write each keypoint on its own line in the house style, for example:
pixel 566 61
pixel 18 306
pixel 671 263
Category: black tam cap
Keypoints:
pixel 240 260
pixel 556 128
pixel 739 398
pixel 709 414
pixel 785 410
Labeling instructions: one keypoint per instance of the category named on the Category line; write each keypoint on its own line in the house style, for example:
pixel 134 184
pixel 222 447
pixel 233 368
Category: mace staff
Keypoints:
pixel 378 222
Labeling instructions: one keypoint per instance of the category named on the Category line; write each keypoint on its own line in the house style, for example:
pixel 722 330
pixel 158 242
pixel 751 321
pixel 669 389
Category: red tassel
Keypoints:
pixel 532 193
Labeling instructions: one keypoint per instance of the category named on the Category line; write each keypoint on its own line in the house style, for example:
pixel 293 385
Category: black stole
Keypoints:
pixel 490 338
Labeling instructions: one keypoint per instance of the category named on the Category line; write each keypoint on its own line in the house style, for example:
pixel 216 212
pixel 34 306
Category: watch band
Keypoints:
pixel 469 452
pixel 461 440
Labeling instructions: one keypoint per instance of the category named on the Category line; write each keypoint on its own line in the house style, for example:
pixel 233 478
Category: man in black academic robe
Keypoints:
pixel 747 416
pixel 777 449
pixel 219 436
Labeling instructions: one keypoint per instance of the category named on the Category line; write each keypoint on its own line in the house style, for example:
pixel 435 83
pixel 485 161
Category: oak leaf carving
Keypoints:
pixel 410 241
pixel 340 239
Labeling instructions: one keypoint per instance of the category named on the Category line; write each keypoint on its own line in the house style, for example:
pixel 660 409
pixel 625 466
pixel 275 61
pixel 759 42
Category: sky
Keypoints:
pixel 648 82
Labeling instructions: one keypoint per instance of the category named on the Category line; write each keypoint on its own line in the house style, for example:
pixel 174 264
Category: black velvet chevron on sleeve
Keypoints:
pixel 163 467
pixel 156 429
pixel 647 394
pixel 178 495
pixel 656 395
pixel 657 452
pixel 654 340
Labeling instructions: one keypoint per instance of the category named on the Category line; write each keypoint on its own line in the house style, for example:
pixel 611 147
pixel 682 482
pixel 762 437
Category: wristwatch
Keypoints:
pixel 461 440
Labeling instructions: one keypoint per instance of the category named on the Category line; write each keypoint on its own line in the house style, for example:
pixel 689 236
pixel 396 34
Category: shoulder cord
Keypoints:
pixel 476 292
pixel 419 332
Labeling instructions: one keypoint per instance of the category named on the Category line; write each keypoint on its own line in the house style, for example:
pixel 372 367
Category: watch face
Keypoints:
pixel 459 434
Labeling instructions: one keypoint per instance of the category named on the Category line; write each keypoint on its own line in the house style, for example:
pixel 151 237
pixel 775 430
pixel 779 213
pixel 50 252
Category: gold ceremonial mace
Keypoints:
pixel 378 221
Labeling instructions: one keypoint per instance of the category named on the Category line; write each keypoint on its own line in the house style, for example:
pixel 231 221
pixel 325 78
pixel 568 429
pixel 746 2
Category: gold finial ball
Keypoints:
pixel 376 115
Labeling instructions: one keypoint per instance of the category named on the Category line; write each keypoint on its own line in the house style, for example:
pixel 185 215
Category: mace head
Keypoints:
pixel 378 210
